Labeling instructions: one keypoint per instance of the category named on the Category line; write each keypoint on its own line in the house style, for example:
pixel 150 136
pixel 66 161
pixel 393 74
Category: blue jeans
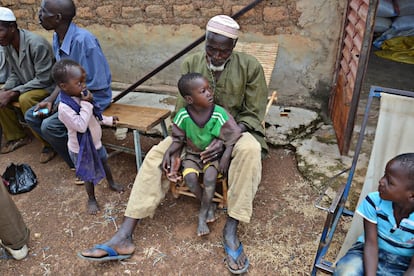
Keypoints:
pixel 53 131
pixel 388 264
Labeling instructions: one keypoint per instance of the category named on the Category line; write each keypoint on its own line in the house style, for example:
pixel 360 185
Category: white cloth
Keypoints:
pixel 394 135
pixel 7 15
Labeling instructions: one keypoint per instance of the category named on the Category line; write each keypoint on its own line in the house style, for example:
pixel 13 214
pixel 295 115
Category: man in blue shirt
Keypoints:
pixel 69 42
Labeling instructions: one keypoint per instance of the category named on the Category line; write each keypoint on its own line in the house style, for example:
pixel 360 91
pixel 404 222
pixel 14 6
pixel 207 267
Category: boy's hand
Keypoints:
pixel 166 163
pixel 115 119
pixel 86 95
pixel 174 174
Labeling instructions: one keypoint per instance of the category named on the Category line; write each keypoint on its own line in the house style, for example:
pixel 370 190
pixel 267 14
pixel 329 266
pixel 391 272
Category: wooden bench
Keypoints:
pixel 139 119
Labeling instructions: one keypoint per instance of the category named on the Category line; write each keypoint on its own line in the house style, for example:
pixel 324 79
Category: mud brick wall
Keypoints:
pixel 268 17
pixel 139 35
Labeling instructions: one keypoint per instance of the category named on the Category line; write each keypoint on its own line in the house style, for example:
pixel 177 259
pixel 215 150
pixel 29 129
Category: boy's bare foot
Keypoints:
pixel 93 207
pixel 211 213
pixel 202 228
pixel 116 187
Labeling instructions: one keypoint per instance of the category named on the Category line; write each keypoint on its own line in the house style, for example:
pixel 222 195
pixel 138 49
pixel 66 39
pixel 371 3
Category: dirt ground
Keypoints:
pixel 280 240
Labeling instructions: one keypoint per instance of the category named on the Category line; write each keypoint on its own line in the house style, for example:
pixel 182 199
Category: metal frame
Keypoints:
pixel 337 207
pixel 139 154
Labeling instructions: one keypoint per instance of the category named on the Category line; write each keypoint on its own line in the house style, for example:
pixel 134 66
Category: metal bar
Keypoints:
pixel 398 92
pixel 328 233
pixel 328 183
pixel 178 55
pixel 118 148
pixel 138 151
pixel 164 129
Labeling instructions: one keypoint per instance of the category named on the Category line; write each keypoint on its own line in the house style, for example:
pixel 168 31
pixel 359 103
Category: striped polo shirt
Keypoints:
pixel 395 239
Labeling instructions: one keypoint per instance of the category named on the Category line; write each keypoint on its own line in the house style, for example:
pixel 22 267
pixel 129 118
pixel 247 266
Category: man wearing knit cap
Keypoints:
pixel 30 58
pixel 239 85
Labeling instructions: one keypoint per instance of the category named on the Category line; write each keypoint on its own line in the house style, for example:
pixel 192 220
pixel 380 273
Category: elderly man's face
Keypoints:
pixel 218 48
pixel 6 34
pixel 47 16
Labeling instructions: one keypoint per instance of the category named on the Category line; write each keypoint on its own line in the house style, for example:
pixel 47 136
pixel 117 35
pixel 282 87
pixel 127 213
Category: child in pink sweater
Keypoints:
pixel 82 118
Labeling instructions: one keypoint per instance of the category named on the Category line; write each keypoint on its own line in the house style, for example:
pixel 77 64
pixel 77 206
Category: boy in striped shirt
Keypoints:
pixel 194 127
pixel 387 245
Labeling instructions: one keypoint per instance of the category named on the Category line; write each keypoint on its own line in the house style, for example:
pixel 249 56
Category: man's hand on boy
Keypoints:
pixel 213 152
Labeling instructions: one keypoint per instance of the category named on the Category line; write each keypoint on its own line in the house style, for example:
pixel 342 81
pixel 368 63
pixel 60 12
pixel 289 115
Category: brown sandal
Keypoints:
pixel 15 144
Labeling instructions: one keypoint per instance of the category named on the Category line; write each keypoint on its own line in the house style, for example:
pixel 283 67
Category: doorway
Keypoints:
pixel 358 68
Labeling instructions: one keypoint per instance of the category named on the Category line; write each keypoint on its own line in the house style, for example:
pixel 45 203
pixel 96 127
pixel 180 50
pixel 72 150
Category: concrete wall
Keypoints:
pixel 138 35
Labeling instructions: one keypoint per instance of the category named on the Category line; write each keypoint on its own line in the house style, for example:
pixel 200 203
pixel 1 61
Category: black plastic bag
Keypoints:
pixel 19 178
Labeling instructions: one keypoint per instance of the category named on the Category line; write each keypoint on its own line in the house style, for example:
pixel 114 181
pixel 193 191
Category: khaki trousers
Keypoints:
pixel 13 231
pixel 244 177
pixel 9 122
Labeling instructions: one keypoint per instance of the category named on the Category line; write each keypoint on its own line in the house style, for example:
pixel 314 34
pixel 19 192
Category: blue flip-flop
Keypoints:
pixel 234 254
pixel 112 254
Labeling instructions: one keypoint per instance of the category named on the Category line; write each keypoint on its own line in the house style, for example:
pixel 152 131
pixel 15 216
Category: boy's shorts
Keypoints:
pixel 193 164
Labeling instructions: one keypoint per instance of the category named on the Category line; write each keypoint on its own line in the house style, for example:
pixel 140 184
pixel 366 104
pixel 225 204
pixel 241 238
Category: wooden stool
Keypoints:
pixel 220 195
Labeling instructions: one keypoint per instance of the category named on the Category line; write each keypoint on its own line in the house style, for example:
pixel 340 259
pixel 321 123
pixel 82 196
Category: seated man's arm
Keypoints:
pixel 255 99
pixel 7 94
pixel 42 60
pixel 230 133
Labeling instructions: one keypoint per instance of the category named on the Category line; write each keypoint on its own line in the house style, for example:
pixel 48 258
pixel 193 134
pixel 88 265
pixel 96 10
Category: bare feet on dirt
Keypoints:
pixel 211 214
pixel 202 228
pixel 93 207
pixel 205 215
pixel 116 187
